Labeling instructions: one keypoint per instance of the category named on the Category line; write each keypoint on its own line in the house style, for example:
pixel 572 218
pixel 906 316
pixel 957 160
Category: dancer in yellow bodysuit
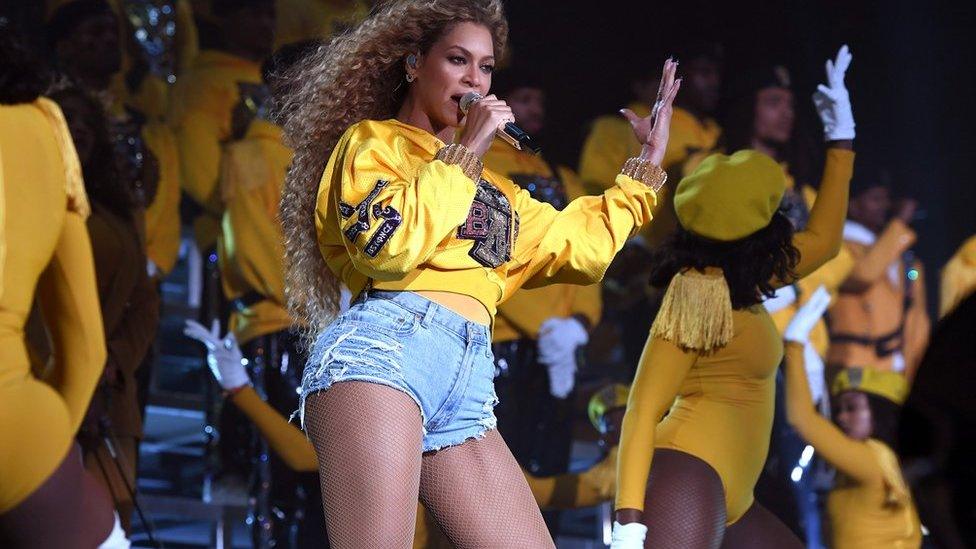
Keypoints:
pixel 713 350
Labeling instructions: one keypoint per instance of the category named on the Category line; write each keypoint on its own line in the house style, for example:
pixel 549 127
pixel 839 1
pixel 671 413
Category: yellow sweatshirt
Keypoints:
pixel 870 506
pixel 390 215
pixel 720 405
pixel 303 19
pixel 200 112
pixel 611 141
pixel 958 277
pixel 523 313
pixel 251 247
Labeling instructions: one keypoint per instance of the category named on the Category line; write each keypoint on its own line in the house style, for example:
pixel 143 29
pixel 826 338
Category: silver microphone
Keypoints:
pixel 510 133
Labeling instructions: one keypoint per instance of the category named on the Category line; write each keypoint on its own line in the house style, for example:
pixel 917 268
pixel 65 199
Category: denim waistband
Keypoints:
pixel 431 313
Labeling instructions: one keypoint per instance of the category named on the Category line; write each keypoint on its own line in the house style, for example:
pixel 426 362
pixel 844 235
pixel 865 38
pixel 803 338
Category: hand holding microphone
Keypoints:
pixel 486 117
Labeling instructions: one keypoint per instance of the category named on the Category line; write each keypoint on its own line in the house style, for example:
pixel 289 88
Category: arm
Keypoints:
pixel 391 220
pixel 662 370
pixel 199 136
pixel 69 302
pixel 284 438
pixel 163 215
pixel 853 458
pixel 896 238
pixel 129 342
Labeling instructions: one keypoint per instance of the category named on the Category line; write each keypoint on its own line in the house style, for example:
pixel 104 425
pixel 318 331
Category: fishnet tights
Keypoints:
pixel 368 438
pixel 685 508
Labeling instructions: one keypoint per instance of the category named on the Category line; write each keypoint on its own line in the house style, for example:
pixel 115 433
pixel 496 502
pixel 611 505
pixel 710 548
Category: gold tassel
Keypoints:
pixel 696 313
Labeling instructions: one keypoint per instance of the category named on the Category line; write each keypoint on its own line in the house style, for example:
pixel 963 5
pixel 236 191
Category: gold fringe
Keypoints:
pixel 696 313
pixel 74 185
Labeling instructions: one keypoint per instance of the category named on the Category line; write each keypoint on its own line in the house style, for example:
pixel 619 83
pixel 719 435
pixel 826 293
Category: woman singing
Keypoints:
pixel 397 396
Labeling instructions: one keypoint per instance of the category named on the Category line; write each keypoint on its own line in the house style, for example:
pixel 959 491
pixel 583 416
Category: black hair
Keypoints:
pixel 23 77
pixel 67 17
pixel 884 419
pixel 749 264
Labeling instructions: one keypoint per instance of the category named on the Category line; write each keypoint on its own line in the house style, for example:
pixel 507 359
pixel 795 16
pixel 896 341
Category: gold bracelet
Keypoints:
pixel 646 172
pixel 462 156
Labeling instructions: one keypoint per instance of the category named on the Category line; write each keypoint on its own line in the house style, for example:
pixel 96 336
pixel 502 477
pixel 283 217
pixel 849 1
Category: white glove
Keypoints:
pixel 628 536
pixel 223 355
pixel 782 298
pixel 798 330
pixel 558 340
pixel 116 538
pixel 832 101
pixel 151 268
pixel 815 372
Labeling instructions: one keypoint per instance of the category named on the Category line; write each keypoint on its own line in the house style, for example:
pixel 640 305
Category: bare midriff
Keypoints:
pixel 464 305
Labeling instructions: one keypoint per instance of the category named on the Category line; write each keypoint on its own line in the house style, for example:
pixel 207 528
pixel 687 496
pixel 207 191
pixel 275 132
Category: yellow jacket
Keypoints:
pixel 304 19
pixel 390 215
pixel 522 314
pixel 719 405
pixel 871 303
pixel 870 505
pixel 251 247
pixel 958 277
pixel 163 215
pixel 611 141
pixel 200 112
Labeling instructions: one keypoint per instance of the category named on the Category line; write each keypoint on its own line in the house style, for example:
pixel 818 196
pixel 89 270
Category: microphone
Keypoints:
pixel 510 133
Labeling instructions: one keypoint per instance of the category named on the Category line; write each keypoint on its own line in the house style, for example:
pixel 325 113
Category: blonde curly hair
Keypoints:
pixel 358 76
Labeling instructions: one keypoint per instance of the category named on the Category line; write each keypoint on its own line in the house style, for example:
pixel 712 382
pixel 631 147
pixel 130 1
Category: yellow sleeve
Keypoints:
pixel 3 226
pixel 821 240
pixel 854 458
pixel 393 220
pixel 958 279
pixel 163 215
pixel 284 438
pixel 605 150
pixel 68 297
pixel 893 241
pixel 663 368
pixel 577 244
pixel 252 234
pixel 574 490
pixel 199 136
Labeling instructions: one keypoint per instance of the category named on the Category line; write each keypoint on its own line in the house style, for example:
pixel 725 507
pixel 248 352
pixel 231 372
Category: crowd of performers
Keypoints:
pixel 409 301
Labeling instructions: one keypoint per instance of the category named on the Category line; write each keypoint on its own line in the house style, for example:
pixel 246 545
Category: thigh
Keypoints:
pixel 368 441
pixel 478 495
pixel 684 506
pixel 760 529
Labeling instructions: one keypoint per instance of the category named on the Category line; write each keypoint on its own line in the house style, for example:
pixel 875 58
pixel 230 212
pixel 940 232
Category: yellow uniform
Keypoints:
pixel 611 141
pixel 200 112
pixel 391 216
pixel 163 214
pixel 870 506
pixel 958 277
pixel 721 403
pixel 870 326
pixel 522 314
pixel 299 20
pixel 48 249
pixel 251 247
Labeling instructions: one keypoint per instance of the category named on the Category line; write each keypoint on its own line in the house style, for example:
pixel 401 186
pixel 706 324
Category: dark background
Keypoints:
pixel 911 80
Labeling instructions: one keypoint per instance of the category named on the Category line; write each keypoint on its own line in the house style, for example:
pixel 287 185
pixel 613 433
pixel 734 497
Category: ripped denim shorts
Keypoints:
pixel 404 341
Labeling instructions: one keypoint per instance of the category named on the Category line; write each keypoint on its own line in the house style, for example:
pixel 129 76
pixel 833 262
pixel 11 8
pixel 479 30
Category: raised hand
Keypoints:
pixel 653 131
pixel 223 354
pixel 832 101
pixel 807 316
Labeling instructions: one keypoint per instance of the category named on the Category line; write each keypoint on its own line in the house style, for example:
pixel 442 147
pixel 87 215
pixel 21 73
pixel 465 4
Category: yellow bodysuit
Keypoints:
pixel 870 506
pixel 392 216
pixel 721 404
pixel 48 250
pixel 958 277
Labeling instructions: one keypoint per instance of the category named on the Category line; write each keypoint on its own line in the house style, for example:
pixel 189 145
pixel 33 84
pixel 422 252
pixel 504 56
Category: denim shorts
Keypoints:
pixel 404 341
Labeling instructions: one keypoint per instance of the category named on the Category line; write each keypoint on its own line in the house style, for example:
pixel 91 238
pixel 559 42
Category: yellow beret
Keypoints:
pixel 890 385
pixel 611 397
pixel 730 197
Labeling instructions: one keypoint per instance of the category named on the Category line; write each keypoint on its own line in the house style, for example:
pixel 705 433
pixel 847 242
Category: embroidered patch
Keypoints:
pixel 390 216
pixel 490 225
pixel 543 189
